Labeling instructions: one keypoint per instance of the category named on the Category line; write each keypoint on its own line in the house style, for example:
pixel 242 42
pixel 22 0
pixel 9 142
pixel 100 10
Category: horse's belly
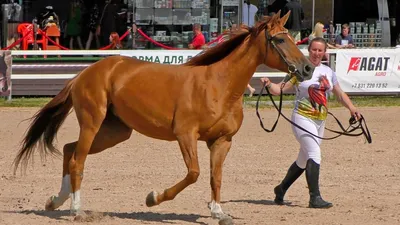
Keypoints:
pixel 146 122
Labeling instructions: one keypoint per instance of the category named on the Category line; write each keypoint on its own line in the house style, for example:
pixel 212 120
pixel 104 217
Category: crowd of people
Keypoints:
pixel 96 20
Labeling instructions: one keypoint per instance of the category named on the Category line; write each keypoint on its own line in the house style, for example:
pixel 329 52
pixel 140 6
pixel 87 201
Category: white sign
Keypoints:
pixel 162 56
pixel 369 70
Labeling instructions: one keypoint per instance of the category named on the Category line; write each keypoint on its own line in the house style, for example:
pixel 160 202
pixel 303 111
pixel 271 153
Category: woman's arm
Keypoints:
pixel 275 89
pixel 345 100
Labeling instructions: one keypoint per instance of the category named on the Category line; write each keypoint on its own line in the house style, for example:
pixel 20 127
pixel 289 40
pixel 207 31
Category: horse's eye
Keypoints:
pixel 280 41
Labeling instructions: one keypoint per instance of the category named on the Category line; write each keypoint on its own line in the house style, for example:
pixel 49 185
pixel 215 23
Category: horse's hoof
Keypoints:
pixel 79 216
pixel 225 220
pixel 151 199
pixel 50 204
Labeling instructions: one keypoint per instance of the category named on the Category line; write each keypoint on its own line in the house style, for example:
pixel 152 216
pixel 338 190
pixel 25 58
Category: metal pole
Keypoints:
pixel 240 19
pixel 4 28
pixel 248 13
pixel 134 23
pixel 313 14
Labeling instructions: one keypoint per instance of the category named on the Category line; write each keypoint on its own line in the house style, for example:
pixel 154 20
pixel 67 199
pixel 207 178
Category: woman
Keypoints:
pixel 310 112
pixel 73 29
pixel 114 41
pixel 93 20
pixel 318 32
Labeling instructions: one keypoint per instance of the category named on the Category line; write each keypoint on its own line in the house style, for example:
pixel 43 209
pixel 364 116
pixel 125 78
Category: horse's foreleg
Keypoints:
pixel 218 151
pixel 188 145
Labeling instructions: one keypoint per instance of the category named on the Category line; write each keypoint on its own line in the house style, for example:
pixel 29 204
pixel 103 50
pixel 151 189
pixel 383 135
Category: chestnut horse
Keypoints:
pixel 198 100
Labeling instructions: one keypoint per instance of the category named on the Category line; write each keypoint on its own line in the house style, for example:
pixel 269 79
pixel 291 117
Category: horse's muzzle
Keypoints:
pixel 306 72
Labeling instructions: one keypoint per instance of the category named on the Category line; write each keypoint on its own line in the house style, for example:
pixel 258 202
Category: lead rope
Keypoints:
pixel 349 131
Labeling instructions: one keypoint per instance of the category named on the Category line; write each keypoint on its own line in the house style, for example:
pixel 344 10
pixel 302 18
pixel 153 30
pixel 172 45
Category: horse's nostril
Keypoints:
pixel 307 68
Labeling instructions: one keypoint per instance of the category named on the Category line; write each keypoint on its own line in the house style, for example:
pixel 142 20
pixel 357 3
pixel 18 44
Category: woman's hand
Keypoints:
pixel 355 113
pixel 265 81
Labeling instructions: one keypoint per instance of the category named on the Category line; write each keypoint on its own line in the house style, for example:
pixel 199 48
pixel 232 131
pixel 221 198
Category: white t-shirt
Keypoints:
pixel 249 12
pixel 311 95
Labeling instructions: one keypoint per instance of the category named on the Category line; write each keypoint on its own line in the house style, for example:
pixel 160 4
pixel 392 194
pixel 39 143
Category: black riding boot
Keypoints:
pixel 293 173
pixel 312 175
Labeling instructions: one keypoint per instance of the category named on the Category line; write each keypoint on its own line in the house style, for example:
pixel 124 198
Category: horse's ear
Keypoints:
pixel 274 18
pixel 278 14
pixel 285 18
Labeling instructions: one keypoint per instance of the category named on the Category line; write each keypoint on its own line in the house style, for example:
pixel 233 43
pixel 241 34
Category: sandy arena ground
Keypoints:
pixel 362 180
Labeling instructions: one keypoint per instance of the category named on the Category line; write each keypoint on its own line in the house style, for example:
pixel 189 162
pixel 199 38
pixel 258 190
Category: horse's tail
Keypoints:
pixel 44 126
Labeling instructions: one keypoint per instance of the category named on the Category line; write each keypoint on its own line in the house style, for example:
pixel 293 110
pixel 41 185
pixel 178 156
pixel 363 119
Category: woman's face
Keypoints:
pixel 110 38
pixel 316 52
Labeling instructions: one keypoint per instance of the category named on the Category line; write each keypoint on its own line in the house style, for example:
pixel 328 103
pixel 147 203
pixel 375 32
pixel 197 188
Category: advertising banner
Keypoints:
pixel 5 73
pixel 162 56
pixel 369 70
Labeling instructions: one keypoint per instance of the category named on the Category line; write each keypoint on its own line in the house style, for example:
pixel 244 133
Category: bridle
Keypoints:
pixel 291 67
pixel 349 131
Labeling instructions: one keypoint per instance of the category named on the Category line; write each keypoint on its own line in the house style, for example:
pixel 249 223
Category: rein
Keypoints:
pixel 349 131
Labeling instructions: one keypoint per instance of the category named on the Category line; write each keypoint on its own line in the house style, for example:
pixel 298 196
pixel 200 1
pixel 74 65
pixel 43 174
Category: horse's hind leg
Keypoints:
pixel 112 132
pixel 188 145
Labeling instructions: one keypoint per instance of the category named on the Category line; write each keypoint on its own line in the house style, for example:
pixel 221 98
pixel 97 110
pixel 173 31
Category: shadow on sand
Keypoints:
pixel 261 202
pixel 165 218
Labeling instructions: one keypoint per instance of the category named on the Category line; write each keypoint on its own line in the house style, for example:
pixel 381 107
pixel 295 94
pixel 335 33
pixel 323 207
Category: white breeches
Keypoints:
pixel 309 145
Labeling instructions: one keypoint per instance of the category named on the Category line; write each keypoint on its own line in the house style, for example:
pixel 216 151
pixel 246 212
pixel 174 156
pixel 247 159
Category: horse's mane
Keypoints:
pixel 222 50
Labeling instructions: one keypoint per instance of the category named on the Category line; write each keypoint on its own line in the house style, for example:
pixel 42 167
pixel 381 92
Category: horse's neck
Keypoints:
pixel 237 69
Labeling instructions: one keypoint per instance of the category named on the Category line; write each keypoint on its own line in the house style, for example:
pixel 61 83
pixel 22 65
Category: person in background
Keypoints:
pixel 310 112
pixel 114 41
pixel 344 39
pixel 249 12
pixel 46 16
pixel 198 39
pixel 94 15
pixel 295 20
pixel 108 21
pixel 73 29
pixel 262 8
pixel 319 32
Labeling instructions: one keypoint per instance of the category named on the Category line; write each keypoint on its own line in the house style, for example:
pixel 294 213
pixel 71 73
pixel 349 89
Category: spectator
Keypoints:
pixel 114 41
pixel 93 23
pixel 344 39
pixel 248 13
pixel 262 9
pixel 198 39
pixel 47 15
pixel 73 29
pixel 318 32
pixel 295 20
pixel 109 21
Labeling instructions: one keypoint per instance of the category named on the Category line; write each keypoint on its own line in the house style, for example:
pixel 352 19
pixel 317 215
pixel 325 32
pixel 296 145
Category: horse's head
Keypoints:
pixel 280 51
